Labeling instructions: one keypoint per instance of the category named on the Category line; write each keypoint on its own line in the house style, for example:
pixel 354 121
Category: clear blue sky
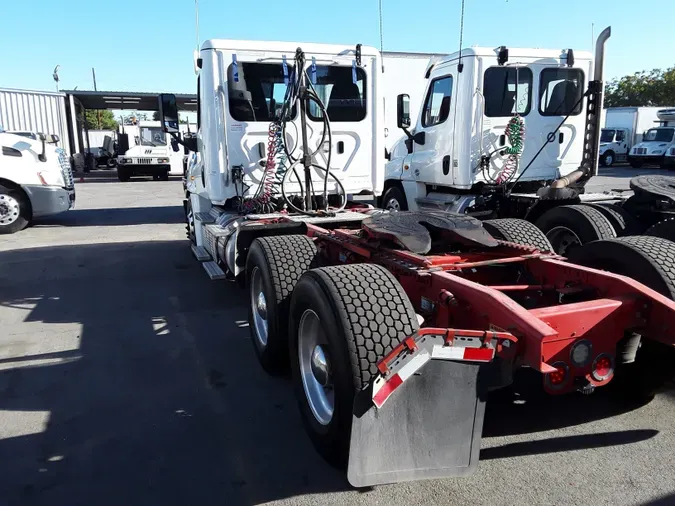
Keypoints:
pixel 150 48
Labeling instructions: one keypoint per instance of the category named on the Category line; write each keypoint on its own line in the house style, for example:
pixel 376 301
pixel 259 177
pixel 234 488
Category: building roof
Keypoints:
pixel 129 100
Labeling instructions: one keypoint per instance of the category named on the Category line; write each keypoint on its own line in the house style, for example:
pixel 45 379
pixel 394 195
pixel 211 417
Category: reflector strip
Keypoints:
pixel 386 390
pixel 460 353
pixel 383 389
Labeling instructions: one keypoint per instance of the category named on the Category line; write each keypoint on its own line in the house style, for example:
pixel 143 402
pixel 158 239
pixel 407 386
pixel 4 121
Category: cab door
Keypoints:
pixel 430 162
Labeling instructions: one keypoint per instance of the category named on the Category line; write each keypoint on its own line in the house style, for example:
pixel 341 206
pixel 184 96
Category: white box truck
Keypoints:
pixel 656 142
pixel 623 129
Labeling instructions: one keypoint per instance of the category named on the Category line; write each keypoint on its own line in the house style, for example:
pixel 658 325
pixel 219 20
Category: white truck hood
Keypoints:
pixel 652 148
pixel 148 151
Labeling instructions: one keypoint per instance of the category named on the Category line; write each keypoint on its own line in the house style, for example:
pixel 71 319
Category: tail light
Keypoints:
pixel 557 379
pixel 603 367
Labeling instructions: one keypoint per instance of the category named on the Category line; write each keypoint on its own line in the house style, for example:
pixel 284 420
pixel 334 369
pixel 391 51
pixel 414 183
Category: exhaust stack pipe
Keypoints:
pixel 589 162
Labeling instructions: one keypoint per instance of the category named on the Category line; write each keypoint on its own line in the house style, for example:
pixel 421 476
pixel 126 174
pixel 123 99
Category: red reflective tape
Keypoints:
pixel 478 354
pixel 387 389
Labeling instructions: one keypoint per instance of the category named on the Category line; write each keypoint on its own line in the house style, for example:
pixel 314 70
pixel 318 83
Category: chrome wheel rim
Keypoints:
pixel 563 240
pixel 393 205
pixel 259 305
pixel 9 209
pixel 609 160
pixel 315 368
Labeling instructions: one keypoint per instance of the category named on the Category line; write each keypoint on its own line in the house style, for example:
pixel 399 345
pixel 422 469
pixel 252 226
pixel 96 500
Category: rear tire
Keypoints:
pixel 364 314
pixel 15 211
pixel 651 261
pixel 273 267
pixel 519 232
pixel 622 222
pixel 664 229
pixel 394 200
pixel 568 227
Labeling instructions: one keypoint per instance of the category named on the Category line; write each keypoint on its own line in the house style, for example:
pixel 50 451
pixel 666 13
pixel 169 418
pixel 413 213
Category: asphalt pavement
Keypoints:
pixel 127 377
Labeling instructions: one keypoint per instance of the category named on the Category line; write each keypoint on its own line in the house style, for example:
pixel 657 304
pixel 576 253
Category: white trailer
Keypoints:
pixel 623 129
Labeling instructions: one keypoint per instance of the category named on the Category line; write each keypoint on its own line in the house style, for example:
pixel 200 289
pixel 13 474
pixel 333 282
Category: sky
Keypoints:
pixel 150 48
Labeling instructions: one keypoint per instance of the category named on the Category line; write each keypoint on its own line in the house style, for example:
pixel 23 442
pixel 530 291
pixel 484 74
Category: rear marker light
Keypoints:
pixel 558 378
pixel 603 367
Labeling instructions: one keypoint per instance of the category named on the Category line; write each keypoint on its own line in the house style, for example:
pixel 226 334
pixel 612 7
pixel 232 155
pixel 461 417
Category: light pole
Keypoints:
pixel 55 75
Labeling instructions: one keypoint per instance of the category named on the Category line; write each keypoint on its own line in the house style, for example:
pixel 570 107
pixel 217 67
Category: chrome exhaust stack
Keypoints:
pixel 594 101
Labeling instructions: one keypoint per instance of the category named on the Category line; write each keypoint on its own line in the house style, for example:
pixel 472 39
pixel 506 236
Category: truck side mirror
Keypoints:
pixel 174 145
pixel 168 113
pixel 53 139
pixel 403 111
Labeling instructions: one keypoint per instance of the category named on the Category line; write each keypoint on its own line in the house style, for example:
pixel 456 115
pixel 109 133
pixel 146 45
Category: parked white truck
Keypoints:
pixel 623 129
pixel 425 311
pixel 149 154
pixel 35 180
pixel 656 141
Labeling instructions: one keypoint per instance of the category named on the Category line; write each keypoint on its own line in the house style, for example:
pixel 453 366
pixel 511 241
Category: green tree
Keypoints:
pixel 100 120
pixel 647 88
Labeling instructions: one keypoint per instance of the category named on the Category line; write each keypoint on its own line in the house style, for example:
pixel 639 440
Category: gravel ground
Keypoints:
pixel 127 377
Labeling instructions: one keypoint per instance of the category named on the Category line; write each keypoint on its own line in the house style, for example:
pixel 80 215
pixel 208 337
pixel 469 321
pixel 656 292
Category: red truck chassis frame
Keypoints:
pixel 577 315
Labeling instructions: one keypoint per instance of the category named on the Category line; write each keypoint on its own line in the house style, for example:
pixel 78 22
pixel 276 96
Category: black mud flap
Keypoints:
pixel 430 427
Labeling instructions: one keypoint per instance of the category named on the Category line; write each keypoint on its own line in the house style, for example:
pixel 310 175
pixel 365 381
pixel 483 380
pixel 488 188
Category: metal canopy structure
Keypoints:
pixel 128 100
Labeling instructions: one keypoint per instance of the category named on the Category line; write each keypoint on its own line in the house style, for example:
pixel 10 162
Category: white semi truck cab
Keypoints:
pixel 35 180
pixel 151 155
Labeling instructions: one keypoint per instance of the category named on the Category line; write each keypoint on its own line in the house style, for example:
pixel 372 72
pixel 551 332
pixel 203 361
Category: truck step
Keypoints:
pixel 200 253
pixel 204 217
pixel 213 270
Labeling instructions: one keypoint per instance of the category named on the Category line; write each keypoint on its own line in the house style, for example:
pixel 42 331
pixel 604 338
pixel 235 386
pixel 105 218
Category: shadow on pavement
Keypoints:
pixel 524 408
pixel 115 216
pixel 146 377
pixel 566 444
pixel 151 393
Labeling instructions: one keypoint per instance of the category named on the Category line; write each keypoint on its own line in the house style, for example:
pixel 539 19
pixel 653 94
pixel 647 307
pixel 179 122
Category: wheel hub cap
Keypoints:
pixel 563 240
pixel 315 369
pixel 9 210
pixel 259 307
pixel 261 304
pixel 320 367
pixel 393 205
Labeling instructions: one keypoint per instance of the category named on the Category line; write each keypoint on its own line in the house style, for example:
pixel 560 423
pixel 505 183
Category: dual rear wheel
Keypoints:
pixel 330 326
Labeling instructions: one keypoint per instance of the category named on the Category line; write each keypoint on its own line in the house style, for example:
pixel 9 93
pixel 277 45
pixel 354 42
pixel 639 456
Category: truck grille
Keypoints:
pixel 66 169
pixel 640 151
pixel 145 161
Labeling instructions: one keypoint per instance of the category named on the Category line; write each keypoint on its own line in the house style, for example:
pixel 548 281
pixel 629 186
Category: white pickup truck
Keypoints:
pixel 35 180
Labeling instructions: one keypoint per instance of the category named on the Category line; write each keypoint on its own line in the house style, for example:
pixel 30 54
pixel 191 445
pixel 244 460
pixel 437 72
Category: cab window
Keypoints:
pixel 620 135
pixel 437 105
pixel 560 92
pixel 258 93
pixel 507 91
pixel 342 91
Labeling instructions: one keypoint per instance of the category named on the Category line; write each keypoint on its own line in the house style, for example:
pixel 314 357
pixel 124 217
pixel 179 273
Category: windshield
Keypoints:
pixel 659 135
pixel 152 136
pixel 607 135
